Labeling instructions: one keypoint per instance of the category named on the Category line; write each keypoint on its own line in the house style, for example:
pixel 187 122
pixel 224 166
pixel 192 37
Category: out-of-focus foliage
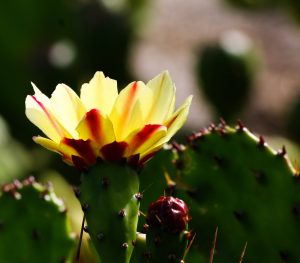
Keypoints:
pixel 57 40
pixel 253 4
pixel 225 72
pixel 293 7
pixel 293 120
pixel 14 160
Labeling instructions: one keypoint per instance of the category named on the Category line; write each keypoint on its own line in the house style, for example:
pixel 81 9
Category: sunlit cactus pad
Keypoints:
pixel 235 182
pixel 33 225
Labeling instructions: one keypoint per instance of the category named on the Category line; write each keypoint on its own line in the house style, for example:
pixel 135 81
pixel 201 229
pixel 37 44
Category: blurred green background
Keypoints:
pixel 240 59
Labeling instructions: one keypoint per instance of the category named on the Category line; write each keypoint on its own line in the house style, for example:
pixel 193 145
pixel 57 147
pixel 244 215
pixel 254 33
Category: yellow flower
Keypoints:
pixel 102 123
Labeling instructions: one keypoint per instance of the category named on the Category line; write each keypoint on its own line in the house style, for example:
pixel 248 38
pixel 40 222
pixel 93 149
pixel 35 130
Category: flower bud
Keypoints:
pixel 168 212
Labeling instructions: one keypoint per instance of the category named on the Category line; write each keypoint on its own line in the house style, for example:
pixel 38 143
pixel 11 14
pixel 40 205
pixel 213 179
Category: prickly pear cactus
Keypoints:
pixel 33 225
pixel 167 235
pixel 232 180
pixel 110 200
pixel 138 254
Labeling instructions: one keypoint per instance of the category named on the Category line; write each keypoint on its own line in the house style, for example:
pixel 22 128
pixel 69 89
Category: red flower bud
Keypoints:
pixel 168 212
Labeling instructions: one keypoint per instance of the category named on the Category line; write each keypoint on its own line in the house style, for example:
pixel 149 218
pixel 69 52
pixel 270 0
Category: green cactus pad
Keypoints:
pixel 232 180
pixel 110 200
pixel 138 254
pixel 33 225
pixel 162 246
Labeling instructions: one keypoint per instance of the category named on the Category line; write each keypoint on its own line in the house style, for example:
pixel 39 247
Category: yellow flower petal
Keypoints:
pixel 100 93
pixel 39 112
pixel 163 98
pixel 48 144
pixel 67 107
pixel 176 121
pixel 96 127
pixel 131 109
pixel 173 124
pixel 143 139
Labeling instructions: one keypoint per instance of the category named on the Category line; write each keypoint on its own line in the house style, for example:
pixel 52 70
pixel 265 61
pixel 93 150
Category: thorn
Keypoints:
pixel 239 215
pixel 284 256
pixel 178 164
pixel 195 136
pixel 170 183
pixel 212 251
pixel 133 242
pixel 86 229
pixel 100 236
pixel 222 122
pixel 296 210
pixel 171 257
pixel 143 214
pixel 8 187
pixel 282 152
pixel 16 195
pixel 243 253
pixel 105 182
pixel 85 207
pixel 240 126
pixel 188 247
pixel 222 131
pixel 158 219
pixel 178 147
pixel 122 213
pixel 219 160
pixel 29 181
pixel 77 192
pixel 212 127
pixel 35 234
pixel 80 239
pixel 145 228
pixel 157 241
pixel 138 196
pixel 261 142
pixel 148 255
pixel 17 184
pixel 64 211
pixel 188 235
pixel 124 245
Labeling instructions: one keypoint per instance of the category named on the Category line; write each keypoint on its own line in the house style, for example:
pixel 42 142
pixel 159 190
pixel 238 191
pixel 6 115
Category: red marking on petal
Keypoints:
pixel 54 124
pixel 147 158
pixel 114 151
pixel 130 98
pixel 144 135
pixel 83 148
pixel 170 122
pixel 94 123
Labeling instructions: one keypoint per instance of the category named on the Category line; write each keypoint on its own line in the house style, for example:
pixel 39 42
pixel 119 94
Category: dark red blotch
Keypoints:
pixel 170 213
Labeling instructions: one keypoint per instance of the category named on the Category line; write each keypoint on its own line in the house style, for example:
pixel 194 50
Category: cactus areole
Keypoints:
pixel 170 213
